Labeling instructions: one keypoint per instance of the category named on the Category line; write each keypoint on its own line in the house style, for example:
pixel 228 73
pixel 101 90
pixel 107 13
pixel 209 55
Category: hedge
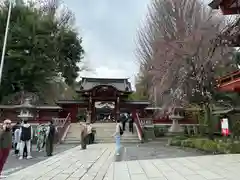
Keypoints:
pixel 206 145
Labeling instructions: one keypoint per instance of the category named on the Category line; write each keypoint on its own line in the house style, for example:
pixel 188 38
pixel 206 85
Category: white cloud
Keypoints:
pixel 108 29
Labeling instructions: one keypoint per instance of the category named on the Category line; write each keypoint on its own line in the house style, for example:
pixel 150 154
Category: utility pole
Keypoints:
pixel 5 40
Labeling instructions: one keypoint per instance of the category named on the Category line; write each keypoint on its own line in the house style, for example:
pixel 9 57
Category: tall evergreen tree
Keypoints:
pixel 42 45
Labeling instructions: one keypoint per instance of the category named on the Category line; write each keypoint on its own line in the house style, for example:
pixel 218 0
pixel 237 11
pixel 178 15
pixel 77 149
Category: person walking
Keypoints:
pixel 123 118
pixel 131 121
pixel 118 133
pixel 5 143
pixel 90 133
pixel 17 139
pixel 84 135
pixel 50 135
pixel 26 135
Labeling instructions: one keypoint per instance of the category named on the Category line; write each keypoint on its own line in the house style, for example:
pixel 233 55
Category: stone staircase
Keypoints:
pixel 73 134
pixel 104 132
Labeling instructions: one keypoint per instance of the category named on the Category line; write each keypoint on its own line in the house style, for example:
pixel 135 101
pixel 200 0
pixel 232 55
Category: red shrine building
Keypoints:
pixel 230 37
pixel 230 82
pixel 228 7
pixel 90 91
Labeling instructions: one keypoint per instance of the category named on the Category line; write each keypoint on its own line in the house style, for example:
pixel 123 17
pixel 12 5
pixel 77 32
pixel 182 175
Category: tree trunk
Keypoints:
pixel 201 122
pixel 209 121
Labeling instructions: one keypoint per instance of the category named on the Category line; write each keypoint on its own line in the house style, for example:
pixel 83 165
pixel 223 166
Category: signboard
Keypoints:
pixel 224 125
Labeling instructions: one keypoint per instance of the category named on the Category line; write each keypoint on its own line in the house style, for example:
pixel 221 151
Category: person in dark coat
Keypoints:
pixel 26 135
pixel 5 143
pixel 131 121
pixel 123 119
pixel 50 135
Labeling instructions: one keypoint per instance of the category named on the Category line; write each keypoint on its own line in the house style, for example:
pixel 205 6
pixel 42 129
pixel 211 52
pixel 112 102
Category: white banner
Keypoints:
pixel 224 123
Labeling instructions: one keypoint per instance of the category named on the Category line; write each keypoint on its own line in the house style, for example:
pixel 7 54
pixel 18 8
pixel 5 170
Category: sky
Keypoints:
pixel 109 30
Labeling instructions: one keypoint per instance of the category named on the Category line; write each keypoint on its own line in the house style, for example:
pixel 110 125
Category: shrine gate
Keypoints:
pixel 92 90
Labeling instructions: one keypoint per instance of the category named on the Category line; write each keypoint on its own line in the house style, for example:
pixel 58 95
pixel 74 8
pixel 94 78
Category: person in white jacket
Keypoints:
pixel 118 133
pixel 26 135
pixel 17 140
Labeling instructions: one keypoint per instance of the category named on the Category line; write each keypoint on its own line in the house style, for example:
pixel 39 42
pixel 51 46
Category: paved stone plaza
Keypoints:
pixel 154 150
pixel 13 164
pixel 97 163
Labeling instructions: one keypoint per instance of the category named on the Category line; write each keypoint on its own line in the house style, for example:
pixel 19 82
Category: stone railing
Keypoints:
pixel 59 122
pixel 139 127
pixel 146 121
pixel 188 128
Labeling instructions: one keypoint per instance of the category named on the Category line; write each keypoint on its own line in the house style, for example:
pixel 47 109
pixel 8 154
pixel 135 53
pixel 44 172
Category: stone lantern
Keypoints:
pixel 176 117
pixel 25 110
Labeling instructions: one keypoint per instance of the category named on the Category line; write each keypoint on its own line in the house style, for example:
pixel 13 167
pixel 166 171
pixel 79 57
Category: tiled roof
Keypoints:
pixel 215 4
pixel 121 84
pixel 32 107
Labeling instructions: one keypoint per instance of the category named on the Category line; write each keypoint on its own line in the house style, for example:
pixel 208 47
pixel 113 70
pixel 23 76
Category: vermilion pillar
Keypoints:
pixel 73 113
pixel 134 114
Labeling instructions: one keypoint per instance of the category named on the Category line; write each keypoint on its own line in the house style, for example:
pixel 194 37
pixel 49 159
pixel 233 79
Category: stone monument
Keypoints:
pixel 25 110
pixel 176 117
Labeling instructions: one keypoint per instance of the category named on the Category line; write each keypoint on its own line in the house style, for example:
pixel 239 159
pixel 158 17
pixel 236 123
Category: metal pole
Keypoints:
pixel 5 40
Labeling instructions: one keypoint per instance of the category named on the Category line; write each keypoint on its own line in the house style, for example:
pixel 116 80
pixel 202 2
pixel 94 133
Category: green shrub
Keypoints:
pixel 159 132
pixel 234 148
pixel 210 146
pixel 180 138
pixel 223 148
pixel 187 143
pixel 198 143
pixel 206 145
pixel 175 142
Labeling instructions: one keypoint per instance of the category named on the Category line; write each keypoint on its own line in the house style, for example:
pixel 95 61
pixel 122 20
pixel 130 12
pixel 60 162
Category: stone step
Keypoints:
pixel 104 132
pixel 75 137
pixel 72 142
pixel 113 141
pixel 72 139
pixel 73 134
pixel 106 137
pixel 126 137
pixel 102 141
pixel 122 138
